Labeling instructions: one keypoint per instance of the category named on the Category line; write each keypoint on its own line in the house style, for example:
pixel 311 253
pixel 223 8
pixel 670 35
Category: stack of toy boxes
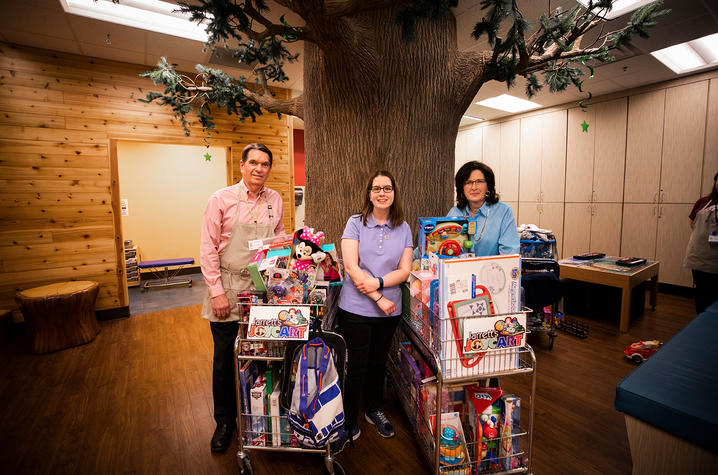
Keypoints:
pixel 424 290
pixel 472 345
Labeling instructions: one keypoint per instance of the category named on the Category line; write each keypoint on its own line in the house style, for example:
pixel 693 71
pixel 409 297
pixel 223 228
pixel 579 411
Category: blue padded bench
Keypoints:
pixel 166 277
pixel 670 402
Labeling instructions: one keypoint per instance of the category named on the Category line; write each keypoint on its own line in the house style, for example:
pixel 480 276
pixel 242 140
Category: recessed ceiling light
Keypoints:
pixel 478 119
pixel 620 7
pixel 508 103
pixel 152 15
pixel 690 56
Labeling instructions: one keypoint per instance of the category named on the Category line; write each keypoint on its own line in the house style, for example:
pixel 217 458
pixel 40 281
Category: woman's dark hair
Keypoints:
pixel 396 213
pixel 256 146
pixel 463 175
pixel 714 192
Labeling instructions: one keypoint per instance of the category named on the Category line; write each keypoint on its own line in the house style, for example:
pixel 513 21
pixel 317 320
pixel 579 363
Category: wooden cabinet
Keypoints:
pixel 671 241
pixel 644 147
pixel 595 158
pixel 710 156
pixel 542 158
pixel 507 182
pixel 592 227
pixel 639 230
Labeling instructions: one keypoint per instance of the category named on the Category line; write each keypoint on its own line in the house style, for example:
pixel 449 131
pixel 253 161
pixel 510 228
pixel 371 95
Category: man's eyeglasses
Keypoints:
pixel 377 189
pixel 471 183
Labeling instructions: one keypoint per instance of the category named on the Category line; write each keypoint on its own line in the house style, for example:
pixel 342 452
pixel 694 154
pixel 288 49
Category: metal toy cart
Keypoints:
pixel 542 291
pixel 253 429
pixel 421 392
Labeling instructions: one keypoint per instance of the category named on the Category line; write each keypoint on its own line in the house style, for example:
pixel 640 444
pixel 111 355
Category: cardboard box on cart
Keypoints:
pixel 474 346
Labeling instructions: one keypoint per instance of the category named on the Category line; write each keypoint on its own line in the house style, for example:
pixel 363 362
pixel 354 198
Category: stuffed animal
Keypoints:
pixel 308 251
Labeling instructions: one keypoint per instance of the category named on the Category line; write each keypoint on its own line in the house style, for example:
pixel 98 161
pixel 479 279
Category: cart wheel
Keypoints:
pixel 190 284
pixel 637 358
pixel 245 467
pixel 337 468
pixel 550 341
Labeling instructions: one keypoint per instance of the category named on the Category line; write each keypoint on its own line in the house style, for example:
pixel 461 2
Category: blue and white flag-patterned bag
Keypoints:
pixel 317 411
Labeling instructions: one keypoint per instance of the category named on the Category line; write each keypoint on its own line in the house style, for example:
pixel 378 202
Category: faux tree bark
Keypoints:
pixel 60 315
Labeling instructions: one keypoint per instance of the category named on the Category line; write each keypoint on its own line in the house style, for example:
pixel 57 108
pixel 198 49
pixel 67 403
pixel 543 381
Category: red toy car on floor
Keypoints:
pixel 641 350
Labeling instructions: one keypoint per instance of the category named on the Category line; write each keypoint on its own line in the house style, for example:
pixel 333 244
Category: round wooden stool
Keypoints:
pixel 60 315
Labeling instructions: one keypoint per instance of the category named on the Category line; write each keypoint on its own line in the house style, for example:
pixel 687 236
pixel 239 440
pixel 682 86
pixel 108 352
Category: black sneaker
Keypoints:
pixel 339 444
pixel 383 426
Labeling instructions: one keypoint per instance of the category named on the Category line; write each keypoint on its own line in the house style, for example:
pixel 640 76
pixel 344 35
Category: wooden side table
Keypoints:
pixel 60 315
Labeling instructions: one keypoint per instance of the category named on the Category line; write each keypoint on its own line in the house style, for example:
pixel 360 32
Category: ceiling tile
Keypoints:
pixel 166 45
pixel 37 40
pixel 113 53
pixel 89 31
pixel 33 19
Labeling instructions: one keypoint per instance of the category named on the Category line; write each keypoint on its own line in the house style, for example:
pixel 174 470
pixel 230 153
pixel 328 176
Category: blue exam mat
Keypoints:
pixel 676 389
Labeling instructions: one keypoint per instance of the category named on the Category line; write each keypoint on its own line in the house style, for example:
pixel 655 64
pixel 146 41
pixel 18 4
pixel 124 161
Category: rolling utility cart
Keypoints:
pixel 263 368
pixel 435 371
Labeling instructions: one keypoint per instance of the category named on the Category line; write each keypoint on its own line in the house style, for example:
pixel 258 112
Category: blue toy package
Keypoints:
pixel 447 237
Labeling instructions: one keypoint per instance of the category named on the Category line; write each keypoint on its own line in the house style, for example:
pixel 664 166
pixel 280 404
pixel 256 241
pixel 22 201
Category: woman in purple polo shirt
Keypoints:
pixel 377 252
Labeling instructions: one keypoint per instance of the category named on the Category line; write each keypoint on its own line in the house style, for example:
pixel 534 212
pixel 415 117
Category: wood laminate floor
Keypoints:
pixel 138 400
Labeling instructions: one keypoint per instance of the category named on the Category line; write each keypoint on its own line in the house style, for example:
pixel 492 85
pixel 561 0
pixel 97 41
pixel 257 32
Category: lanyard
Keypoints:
pixel 481 234
pixel 251 211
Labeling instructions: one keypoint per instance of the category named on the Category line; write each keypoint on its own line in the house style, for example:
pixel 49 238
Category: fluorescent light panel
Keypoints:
pixel 508 103
pixel 620 7
pixel 478 119
pixel 152 15
pixel 690 56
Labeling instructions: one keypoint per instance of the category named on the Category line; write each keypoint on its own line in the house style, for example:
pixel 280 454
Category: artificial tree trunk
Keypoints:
pixel 374 103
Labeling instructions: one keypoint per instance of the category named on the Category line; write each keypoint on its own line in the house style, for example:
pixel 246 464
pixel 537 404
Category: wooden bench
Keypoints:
pixel 60 315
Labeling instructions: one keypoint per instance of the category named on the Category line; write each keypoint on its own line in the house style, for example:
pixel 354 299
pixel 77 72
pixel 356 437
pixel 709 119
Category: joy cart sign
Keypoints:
pixel 271 322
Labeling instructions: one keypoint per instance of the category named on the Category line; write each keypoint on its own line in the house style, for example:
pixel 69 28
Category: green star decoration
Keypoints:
pixel 584 126
pixel 207 156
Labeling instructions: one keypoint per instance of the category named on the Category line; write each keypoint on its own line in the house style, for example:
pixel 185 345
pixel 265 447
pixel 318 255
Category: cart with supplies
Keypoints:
pixel 448 357
pixel 541 284
pixel 273 338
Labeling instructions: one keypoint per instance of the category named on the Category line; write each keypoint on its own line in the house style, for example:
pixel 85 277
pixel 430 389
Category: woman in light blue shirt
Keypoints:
pixel 476 197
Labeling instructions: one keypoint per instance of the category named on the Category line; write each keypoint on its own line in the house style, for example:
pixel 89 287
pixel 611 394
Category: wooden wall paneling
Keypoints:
pixel 671 242
pixel 580 154
pixel 58 112
pixel 552 218
pixel 508 181
pixel 710 155
pixel 639 230
pixel 530 160
pixel 577 228
pixel 491 147
pixel 684 141
pixel 644 146
pixel 120 269
pixel 553 156
pixel 610 152
pixel 606 228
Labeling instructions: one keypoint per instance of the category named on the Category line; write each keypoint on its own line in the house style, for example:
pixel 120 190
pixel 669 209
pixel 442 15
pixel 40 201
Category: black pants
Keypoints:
pixel 223 384
pixel 368 340
pixel 706 289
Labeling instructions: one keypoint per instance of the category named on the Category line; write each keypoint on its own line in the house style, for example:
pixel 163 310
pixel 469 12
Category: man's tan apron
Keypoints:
pixel 233 260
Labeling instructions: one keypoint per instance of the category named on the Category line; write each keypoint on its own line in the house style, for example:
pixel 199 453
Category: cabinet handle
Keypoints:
pixel 654 210
pixel 655 198
pixel 594 196
pixel 660 212
pixel 660 198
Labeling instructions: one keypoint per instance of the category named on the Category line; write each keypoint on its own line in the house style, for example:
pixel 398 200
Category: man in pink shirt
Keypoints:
pixel 235 216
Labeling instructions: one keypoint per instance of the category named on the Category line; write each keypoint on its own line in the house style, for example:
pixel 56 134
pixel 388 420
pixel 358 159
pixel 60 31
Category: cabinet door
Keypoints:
pixel 710 157
pixel 579 155
pixel 606 228
pixel 528 213
pixel 551 217
pixel 474 144
pixel 460 150
pixel 644 144
pixel 492 147
pixel 508 182
pixel 673 234
pixel 610 152
pixel 638 235
pixel 553 157
pixel 684 137
pixel 530 159
pixel 576 229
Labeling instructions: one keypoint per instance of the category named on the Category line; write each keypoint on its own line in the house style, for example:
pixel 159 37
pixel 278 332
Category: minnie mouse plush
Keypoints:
pixel 308 251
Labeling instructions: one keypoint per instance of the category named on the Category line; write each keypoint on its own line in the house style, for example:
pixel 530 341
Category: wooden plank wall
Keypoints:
pixel 60 115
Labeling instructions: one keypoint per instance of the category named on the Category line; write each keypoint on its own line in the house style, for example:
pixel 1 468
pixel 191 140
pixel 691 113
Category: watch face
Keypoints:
pixel 493 276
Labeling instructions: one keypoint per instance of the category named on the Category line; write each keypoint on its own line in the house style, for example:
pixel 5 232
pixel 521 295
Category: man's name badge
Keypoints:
pixel 254 244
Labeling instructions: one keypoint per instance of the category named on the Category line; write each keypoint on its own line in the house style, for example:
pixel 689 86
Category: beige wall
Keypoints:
pixel 167 187
pixel 625 186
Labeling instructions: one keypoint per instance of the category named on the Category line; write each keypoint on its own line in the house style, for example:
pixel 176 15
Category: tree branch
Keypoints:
pixel 294 106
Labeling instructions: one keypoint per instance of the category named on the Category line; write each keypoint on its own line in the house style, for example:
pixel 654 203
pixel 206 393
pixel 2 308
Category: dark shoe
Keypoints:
pixel 222 437
pixel 339 444
pixel 383 426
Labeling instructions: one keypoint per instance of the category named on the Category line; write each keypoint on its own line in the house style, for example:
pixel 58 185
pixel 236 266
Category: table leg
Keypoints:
pixel 654 292
pixel 625 308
